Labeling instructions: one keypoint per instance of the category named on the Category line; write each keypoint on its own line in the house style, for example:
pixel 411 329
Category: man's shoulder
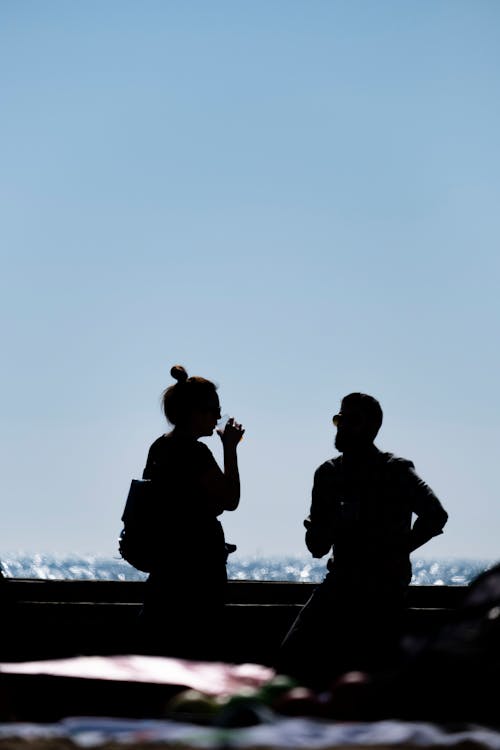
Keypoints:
pixel 329 468
pixel 396 462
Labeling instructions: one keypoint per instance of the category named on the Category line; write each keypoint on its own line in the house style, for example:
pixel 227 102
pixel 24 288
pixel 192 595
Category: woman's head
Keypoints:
pixel 191 403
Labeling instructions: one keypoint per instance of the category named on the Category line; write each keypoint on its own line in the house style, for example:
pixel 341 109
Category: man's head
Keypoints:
pixel 357 423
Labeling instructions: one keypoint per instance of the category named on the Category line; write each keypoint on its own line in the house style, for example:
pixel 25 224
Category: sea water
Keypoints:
pixel 428 572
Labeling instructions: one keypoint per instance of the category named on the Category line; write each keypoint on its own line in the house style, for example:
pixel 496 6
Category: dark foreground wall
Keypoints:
pixel 49 619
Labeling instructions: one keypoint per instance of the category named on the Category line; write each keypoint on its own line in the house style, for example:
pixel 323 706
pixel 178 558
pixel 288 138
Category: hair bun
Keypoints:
pixel 179 373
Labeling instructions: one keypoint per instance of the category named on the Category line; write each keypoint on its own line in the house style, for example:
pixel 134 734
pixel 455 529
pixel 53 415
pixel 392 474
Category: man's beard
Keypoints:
pixel 352 444
pixel 340 442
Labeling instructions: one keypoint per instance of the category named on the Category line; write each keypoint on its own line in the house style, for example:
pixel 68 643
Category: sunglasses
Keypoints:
pixel 352 417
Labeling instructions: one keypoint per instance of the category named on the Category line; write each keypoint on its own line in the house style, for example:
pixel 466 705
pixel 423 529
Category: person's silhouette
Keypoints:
pixel 183 608
pixel 362 507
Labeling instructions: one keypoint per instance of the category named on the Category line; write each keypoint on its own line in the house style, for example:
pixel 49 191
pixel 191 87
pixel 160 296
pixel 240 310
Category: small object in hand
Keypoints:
pixel 222 423
pixel 226 421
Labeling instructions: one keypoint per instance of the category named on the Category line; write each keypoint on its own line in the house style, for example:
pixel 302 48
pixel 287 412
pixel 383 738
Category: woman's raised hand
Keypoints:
pixel 230 433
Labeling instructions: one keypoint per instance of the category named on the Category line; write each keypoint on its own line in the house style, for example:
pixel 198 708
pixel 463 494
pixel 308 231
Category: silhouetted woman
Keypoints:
pixel 183 610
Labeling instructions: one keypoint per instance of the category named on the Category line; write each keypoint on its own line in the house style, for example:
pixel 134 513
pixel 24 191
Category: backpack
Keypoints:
pixel 136 538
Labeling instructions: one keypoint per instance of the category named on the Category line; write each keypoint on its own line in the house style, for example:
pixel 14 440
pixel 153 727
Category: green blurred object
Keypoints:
pixel 192 705
pixel 272 690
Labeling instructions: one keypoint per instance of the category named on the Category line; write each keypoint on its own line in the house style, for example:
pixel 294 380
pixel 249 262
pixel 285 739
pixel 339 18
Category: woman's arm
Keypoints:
pixel 223 487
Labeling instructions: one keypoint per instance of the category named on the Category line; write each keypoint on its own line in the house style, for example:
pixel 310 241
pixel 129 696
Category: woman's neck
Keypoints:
pixel 184 432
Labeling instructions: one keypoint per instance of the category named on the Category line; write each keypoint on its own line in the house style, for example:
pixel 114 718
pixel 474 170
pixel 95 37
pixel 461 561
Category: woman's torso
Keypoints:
pixel 187 535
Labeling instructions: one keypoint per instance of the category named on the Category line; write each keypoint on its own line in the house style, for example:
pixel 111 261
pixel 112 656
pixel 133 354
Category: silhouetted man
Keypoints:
pixel 362 506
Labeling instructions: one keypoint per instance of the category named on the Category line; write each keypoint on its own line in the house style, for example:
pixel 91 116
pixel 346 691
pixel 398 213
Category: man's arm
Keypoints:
pixel 431 516
pixel 318 523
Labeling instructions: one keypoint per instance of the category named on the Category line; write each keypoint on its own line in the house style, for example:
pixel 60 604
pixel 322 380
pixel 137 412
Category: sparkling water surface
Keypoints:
pixel 435 572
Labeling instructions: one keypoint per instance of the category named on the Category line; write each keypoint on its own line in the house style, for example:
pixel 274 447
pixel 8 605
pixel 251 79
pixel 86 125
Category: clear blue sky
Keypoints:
pixel 295 199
